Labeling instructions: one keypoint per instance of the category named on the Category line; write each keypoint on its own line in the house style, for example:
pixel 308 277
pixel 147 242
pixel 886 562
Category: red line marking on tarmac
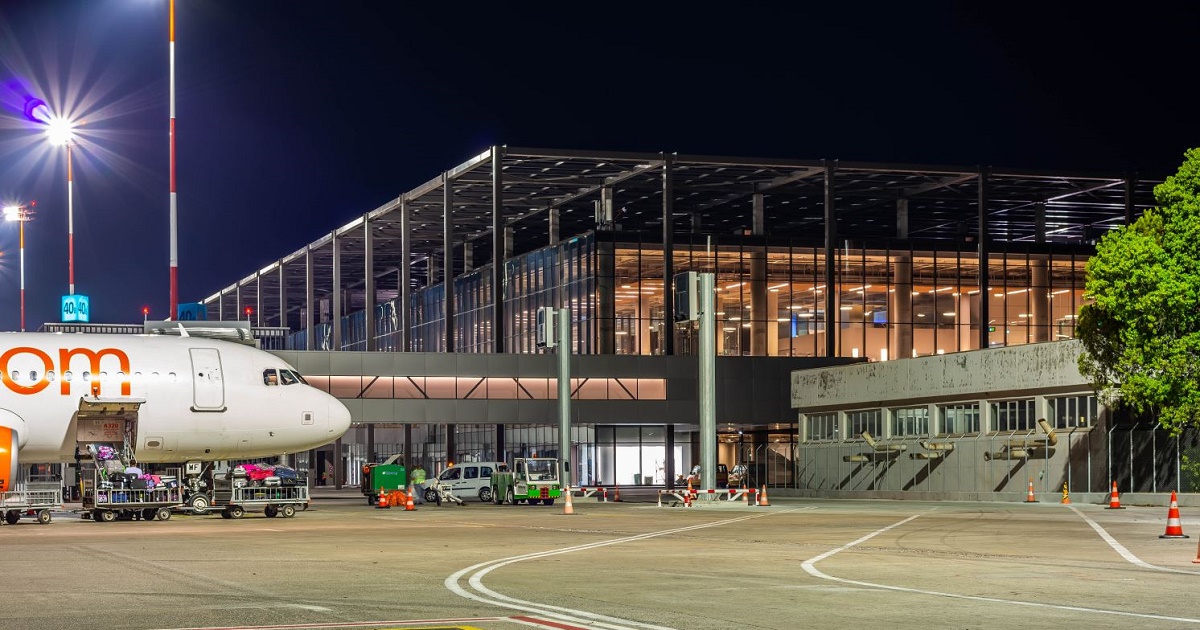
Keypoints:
pixel 548 624
pixel 354 624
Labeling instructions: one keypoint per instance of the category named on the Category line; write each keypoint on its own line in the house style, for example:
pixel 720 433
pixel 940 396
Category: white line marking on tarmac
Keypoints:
pixel 807 565
pixel 592 620
pixel 1119 548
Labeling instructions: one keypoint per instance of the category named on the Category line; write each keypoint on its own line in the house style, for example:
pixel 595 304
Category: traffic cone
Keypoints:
pixel 1114 500
pixel 617 493
pixel 1174 528
pixel 763 501
pixel 568 506
pixel 1066 500
pixel 690 491
pixel 408 500
pixel 1029 498
pixel 383 501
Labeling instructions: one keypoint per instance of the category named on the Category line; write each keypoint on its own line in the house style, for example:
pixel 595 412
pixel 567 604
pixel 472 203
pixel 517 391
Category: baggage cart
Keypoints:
pixel 104 501
pixel 31 499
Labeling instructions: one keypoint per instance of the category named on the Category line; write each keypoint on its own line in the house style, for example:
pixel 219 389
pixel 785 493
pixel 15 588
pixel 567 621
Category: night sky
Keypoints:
pixel 294 117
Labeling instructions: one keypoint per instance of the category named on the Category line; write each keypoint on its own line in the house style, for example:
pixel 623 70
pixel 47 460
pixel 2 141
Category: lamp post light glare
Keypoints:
pixel 60 132
pixel 20 215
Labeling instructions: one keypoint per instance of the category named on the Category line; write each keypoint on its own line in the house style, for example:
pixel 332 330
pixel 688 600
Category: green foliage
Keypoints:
pixel 1141 336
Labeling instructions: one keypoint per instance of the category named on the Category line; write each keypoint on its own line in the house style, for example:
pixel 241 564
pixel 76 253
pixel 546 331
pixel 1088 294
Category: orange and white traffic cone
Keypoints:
pixel 1029 498
pixel 763 501
pixel 617 493
pixel 383 500
pixel 408 500
pixel 1114 500
pixel 568 506
pixel 1174 528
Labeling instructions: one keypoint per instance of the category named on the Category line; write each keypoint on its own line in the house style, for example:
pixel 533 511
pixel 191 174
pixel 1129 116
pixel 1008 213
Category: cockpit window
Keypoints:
pixel 287 377
pixel 270 377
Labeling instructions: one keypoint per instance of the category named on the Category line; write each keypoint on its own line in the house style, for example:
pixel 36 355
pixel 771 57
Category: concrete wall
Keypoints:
pixel 1040 368
pixel 1038 371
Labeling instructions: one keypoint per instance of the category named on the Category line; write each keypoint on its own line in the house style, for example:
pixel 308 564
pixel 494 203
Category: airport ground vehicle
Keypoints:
pixel 110 496
pixel 33 498
pixel 470 479
pixel 532 480
pixel 722 476
pixel 387 476
pixel 233 490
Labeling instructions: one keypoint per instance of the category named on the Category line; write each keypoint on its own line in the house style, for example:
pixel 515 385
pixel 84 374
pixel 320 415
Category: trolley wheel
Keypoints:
pixel 288 511
pixel 106 516
pixel 11 517
pixel 43 516
pixel 510 498
pixel 148 514
pixel 225 513
pixel 163 514
pixel 236 511
pixel 199 504
pixel 485 494
pixel 271 511
pixel 496 498
pixel 547 501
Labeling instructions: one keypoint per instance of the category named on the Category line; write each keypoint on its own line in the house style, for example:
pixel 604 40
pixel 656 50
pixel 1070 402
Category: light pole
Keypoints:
pixel 60 132
pixel 20 214
pixel 172 313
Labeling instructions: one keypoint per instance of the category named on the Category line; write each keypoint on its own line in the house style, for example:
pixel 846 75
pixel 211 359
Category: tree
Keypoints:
pixel 1141 335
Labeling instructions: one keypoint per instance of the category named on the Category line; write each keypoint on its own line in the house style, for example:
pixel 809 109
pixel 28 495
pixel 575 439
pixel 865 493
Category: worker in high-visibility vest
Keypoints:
pixel 418 482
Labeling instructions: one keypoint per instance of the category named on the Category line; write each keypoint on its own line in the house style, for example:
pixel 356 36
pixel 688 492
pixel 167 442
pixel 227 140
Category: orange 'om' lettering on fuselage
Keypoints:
pixel 64 365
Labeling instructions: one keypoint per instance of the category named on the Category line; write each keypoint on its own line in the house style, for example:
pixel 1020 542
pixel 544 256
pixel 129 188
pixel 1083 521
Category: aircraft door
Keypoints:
pixel 208 386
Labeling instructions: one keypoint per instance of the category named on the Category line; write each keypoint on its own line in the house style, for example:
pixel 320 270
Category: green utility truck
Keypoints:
pixel 532 479
pixel 388 476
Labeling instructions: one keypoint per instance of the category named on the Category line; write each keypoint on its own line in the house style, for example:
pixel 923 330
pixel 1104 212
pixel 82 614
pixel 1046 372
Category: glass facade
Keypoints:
pixel 890 302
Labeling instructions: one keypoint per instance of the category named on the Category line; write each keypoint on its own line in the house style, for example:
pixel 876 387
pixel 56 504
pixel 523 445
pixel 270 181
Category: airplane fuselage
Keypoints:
pixel 201 398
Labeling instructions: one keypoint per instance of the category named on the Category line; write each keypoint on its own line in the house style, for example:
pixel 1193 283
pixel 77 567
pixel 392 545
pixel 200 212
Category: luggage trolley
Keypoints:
pixel 34 498
pixel 105 501
pixel 272 500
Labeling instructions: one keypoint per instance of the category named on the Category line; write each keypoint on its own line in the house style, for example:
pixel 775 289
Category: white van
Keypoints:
pixel 468 480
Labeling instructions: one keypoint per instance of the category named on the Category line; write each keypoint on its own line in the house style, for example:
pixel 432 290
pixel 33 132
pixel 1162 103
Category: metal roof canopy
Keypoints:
pixel 712 195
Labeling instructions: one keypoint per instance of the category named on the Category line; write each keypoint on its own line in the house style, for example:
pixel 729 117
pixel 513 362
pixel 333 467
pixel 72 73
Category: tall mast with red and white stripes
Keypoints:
pixel 172 314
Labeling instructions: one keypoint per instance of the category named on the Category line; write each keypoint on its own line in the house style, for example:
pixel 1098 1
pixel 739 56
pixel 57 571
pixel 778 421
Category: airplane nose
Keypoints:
pixel 339 418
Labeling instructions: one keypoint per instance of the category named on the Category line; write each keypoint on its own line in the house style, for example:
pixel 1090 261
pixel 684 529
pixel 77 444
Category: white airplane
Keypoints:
pixel 172 399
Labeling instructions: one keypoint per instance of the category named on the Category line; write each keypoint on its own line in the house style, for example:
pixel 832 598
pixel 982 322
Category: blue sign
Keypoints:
pixel 75 308
pixel 192 311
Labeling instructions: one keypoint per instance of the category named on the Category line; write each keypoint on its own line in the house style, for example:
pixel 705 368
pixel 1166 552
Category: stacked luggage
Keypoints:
pixel 264 475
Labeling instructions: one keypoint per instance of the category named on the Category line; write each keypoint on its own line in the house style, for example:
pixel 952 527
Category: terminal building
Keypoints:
pixel 419 314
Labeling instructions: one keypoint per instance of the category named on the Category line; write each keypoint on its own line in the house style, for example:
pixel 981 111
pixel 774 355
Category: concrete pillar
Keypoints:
pixel 758 283
pixel 1039 298
pixel 900 309
pixel 369 282
pixel 335 320
pixel 553 228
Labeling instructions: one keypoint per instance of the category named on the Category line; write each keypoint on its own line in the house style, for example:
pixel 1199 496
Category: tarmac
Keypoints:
pixel 628 565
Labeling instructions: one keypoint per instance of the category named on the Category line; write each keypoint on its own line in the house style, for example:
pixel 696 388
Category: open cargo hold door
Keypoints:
pixel 107 421
pixel 208 384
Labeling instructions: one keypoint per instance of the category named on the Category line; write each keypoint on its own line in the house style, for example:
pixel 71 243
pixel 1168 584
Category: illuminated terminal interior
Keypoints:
pixel 815 260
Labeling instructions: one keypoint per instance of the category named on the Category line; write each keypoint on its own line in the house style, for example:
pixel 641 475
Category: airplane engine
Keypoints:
pixel 12 438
